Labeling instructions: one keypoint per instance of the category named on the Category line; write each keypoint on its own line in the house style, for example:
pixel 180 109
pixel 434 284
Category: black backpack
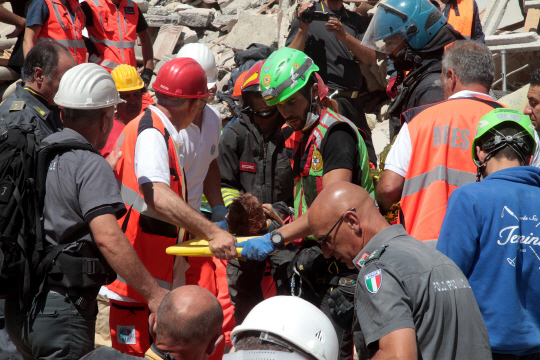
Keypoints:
pixel 23 171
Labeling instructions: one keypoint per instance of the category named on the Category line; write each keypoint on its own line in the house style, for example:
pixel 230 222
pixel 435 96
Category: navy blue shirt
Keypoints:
pixel 38 13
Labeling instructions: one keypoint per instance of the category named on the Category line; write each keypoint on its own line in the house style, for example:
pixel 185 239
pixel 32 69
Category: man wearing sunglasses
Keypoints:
pixel 412 302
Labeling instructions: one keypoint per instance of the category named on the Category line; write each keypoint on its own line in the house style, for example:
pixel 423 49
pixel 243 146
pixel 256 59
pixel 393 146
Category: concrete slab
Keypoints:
pixel 262 29
pixel 196 17
pixel 166 40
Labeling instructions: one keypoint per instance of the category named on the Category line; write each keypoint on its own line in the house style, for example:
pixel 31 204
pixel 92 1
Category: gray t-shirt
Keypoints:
pixel 80 185
pixel 405 284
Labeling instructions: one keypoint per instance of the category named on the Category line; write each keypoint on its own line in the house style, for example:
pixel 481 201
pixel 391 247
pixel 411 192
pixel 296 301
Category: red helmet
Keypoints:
pixel 251 82
pixel 181 78
pixel 237 92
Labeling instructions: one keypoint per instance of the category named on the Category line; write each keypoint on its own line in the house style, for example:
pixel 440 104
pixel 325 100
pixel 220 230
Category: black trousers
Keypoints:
pixel 535 356
pixel 353 110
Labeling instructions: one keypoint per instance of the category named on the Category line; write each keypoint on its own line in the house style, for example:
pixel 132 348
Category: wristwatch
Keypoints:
pixel 277 239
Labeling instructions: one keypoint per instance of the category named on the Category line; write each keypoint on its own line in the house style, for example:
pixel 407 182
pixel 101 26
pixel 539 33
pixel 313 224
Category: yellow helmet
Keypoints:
pixel 127 78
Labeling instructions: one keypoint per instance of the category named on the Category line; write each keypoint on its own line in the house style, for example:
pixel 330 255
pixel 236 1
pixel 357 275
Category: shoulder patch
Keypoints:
pixel 16 106
pixel 362 259
pixel 373 281
pixel 39 110
pixel 376 254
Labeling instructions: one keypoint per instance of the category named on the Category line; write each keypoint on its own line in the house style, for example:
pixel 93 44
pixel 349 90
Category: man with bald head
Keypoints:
pixel 411 301
pixel 187 326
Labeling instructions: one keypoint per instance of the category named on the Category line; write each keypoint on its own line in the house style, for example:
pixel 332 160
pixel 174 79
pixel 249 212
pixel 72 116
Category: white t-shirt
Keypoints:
pixel 399 155
pixel 200 148
pixel 152 165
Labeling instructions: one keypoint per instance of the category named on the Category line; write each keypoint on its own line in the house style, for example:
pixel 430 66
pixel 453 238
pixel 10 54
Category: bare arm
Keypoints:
pixel 300 39
pixel 7 17
pixel 398 345
pixel 360 52
pixel 160 198
pixel 119 253
pixel 212 185
pixel 30 37
pixel 388 190
pixel 147 50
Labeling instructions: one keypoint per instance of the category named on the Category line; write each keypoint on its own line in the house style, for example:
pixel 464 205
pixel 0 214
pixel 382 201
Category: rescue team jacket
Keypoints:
pixel 149 234
pixel 309 182
pixel 441 139
pixel 60 28
pixel 114 32
pixel 461 16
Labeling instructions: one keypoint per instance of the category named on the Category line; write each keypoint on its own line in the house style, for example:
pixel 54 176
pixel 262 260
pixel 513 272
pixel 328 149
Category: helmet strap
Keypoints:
pixel 407 58
pixel 312 115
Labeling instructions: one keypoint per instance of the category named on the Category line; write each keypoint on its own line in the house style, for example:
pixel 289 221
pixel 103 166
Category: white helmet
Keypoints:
pixel 292 319
pixel 87 86
pixel 204 56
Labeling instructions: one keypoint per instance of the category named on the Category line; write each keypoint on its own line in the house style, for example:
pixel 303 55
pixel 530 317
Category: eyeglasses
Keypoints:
pixel 323 241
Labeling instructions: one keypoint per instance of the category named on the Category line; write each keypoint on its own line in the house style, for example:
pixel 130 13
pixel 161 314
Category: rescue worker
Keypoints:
pixel 80 228
pixel 285 327
pixel 153 187
pixel 411 301
pixel 497 222
pixel 253 158
pixel 429 157
pixel 113 27
pixel 33 103
pixel 56 20
pixel 132 90
pixel 176 328
pixel 414 35
pixel 533 95
pixel 324 147
pixel 464 17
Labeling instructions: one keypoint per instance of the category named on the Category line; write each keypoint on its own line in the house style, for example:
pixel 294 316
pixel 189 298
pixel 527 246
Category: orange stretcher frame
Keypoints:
pixel 199 248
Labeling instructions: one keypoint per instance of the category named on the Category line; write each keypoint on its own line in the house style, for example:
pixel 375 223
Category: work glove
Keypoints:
pixel 218 213
pixel 258 248
pixel 341 309
pixel 146 76
pixel 223 225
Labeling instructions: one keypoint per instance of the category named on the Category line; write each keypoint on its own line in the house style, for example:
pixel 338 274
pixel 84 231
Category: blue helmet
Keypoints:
pixel 416 21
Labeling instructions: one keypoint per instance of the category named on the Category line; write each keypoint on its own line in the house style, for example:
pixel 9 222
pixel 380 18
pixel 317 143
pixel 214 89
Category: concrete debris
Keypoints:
pixel 222 22
pixel 493 16
pixel 159 21
pixel 520 42
pixel 172 6
pixel 166 40
pixel 158 10
pixel 224 110
pixel 262 29
pixel 181 7
pixel 210 36
pixel 143 5
pixel 199 18
pixel 232 8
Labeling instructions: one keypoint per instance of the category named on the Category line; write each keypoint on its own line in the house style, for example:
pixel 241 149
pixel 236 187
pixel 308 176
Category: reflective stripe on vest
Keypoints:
pixel 441 139
pixel 62 29
pixel 115 33
pixel 229 195
pixel 462 16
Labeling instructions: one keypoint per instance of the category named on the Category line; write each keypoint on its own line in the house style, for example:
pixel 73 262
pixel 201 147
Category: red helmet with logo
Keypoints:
pixel 251 82
pixel 181 78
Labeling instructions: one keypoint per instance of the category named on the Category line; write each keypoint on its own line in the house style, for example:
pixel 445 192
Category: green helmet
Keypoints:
pixel 285 72
pixel 496 117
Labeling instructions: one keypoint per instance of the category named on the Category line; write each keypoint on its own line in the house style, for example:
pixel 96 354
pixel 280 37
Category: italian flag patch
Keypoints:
pixel 373 281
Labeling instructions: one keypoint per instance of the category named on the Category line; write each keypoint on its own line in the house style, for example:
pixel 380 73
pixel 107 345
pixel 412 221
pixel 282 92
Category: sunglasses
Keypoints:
pixel 323 241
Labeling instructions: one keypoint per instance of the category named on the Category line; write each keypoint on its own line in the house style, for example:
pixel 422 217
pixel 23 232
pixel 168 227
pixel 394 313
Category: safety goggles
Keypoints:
pixel 324 239
pixel 272 93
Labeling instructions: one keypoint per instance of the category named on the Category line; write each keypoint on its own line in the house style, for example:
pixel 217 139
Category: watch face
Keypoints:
pixel 276 238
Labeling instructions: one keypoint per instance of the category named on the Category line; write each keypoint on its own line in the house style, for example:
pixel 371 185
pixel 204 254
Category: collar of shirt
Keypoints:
pixel 376 242
pixel 168 125
pixel 36 100
pixel 468 94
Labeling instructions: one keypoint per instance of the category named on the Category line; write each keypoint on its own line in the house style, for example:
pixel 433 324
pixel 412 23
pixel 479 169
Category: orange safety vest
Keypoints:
pixel 60 28
pixel 441 138
pixel 149 234
pixel 462 16
pixel 114 32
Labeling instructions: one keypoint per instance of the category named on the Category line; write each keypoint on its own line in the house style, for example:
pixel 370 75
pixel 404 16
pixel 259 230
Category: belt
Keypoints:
pixel 344 93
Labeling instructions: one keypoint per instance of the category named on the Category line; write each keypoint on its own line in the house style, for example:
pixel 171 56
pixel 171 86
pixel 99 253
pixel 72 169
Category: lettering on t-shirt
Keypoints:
pixel 453 136
pixel 449 285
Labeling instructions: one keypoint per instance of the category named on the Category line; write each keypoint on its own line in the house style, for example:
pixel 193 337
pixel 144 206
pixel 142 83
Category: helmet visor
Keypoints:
pixel 384 32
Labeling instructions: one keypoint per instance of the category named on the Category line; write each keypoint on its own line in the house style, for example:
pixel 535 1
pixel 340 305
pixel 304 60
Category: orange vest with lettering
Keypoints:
pixel 114 32
pixel 60 28
pixel 441 139
pixel 461 18
pixel 149 234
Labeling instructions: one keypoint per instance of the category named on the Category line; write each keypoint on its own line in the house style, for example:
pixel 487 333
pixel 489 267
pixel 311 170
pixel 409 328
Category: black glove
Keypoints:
pixel 146 76
pixel 341 309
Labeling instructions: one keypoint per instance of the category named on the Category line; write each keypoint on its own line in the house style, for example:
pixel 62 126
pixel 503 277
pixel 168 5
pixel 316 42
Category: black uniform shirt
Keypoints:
pixel 335 61
pixel 404 283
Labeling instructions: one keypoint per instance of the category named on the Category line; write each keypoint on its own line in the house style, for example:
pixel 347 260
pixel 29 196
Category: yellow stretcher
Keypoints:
pixel 198 248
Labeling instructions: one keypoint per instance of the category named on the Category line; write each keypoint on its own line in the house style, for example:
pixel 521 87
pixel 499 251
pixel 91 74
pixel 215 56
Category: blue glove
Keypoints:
pixel 218 213
pixel 223 224
pixel 258 248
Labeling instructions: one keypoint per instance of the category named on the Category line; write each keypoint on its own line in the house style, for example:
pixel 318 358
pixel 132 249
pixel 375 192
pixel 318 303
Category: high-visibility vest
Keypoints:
pixel 149 234
pixel 114 32
pixel 60 28
pixel 441 137
pixel 462 17
pixel 309 183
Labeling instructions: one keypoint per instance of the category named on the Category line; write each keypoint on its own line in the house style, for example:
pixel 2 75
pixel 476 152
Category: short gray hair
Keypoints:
pixel 471 61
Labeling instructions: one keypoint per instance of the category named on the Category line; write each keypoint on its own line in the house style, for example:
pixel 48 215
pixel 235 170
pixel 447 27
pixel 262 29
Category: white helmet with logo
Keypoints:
pixel 291 322
pixel 204 56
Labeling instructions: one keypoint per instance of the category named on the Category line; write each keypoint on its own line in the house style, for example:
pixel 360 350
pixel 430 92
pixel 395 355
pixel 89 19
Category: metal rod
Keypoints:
pixel 503 69
pixel 511 73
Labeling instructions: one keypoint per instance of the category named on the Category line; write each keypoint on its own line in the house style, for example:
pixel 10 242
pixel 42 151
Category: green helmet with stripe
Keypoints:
pixel 489 124
pixel 284 73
